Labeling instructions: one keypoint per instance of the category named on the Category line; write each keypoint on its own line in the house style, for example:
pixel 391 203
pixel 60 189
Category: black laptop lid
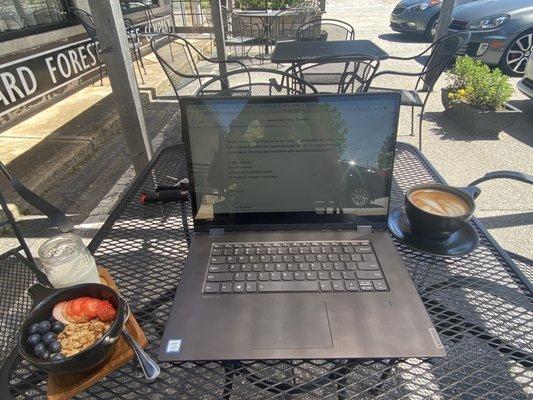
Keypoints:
pixel 282 162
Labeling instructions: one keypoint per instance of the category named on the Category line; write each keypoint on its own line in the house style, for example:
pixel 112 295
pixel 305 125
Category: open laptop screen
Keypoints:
pixel 304 159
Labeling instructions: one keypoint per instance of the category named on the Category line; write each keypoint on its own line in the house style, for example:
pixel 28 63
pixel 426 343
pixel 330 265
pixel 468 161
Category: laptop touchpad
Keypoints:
pixel 291 326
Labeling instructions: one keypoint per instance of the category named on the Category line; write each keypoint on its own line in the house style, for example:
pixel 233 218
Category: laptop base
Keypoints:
pixel 317 325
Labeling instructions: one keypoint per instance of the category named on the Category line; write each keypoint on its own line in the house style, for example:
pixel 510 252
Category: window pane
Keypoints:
pixel 136 5
pixel 21 14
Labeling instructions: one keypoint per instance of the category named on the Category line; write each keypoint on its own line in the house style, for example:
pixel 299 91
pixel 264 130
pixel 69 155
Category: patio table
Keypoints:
pixel 481 305
pixel 297 52
pixel 266 17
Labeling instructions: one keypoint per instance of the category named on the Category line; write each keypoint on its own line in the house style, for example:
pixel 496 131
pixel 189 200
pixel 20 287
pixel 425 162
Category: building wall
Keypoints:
pixel 39 69
pixel 26 44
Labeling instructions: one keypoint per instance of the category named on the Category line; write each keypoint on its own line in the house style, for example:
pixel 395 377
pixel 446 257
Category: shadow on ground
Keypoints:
pixel 81 188
pixel 402 38
pixel 505 221
pixel 449 130
pixel 522 129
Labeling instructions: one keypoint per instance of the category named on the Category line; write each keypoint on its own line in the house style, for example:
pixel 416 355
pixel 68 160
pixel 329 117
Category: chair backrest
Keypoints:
pixel 443 50
pixel 350 74
pixel 141 6
pixel 325 30
pixel 245 26
pixel 285 24
pixel 86 20
pixel 256 82
pixel 149 19
pixel 207 16
pixel 176 56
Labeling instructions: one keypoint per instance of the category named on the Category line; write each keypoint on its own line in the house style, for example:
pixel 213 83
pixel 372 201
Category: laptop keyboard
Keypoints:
pixel 346 266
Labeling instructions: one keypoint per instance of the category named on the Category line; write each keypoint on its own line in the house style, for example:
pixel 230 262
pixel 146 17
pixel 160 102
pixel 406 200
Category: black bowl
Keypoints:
pixel 438 226
pixel 44 300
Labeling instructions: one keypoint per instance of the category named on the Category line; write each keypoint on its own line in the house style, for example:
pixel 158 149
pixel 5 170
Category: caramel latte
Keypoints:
pixel 439 202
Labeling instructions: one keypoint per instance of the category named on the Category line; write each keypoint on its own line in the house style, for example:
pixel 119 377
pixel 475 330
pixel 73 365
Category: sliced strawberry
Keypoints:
pixel 74 311
pixel 90 307
pixel 106 311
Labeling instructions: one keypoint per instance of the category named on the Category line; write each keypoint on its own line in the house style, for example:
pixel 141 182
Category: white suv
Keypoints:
pixel 526 83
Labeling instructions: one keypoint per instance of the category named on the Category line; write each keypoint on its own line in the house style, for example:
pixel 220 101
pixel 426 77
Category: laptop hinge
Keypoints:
pixel 364 229
pixel 216 232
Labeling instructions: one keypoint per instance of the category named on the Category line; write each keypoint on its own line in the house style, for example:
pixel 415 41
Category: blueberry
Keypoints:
pixel 49 337
pixel 54 347
pixel 34 339
pixel 38 349
pixel 45 355
pixel 57 326
pixel 34 328
pixel 44 326
pixel 57 356
pixel 51 320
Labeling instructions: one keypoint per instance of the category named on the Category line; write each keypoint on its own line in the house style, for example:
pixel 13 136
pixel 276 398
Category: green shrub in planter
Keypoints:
pixel 477 98
pixel 272 4
pixel 474 83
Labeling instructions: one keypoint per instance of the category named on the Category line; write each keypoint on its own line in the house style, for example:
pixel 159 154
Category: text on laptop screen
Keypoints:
pixel 328 155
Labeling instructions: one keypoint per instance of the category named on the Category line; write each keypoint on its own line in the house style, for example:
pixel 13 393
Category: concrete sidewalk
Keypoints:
pixel 48 147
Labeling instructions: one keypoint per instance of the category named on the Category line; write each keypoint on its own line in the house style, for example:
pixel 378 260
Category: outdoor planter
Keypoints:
pixel 479 122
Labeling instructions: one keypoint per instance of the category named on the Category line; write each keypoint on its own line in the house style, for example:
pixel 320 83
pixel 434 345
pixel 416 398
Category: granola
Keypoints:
pixel 77 337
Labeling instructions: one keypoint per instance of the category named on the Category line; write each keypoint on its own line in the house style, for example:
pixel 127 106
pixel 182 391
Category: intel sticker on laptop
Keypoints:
pixel 173 346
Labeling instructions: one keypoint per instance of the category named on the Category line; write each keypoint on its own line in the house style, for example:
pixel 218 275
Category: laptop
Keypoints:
pixel 290 256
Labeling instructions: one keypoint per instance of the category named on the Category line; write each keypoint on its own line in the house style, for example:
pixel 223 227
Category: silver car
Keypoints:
pixel 418 16
pixel 526 83
pixel 502 32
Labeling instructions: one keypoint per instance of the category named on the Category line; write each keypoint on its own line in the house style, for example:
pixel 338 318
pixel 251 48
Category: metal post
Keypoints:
pixel 445 18
pixel 218 26
pixel 116 53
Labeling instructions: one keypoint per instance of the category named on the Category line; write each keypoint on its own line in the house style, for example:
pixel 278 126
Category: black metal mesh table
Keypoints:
pixel 480 304
pixel 294 52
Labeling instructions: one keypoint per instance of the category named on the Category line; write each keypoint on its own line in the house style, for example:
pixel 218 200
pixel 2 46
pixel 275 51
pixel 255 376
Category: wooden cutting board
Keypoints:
pixel 65 386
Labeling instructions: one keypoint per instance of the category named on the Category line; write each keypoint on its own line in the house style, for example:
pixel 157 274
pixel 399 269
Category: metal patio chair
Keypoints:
pixel 243 32
pixel 178 60
pixel 135 44
pixel 326 29
pixel 256 82
pixel 86 20
pixel 338 74
pixel 283 26
pixel 154 24
pixel 286 24
pixel 442 52
pixel 18 269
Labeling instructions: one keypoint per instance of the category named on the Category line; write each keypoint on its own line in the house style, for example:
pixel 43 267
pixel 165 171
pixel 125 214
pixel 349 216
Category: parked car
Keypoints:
pixel 526 83
pixel 363 184
pixel 502 32
pixel 418 16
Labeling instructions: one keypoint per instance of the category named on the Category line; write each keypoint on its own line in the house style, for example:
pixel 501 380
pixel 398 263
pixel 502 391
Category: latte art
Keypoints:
pixel 439 202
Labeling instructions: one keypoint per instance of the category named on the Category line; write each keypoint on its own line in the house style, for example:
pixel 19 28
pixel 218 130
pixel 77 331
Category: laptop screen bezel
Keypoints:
pixel 283 220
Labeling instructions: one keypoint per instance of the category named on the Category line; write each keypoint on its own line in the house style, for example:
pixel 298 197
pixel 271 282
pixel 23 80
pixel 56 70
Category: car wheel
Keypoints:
pixel 360 197
pixel 431 28
pixel 514 59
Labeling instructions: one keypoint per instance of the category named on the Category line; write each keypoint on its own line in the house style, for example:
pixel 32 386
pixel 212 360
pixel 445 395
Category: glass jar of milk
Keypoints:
pixel 67 262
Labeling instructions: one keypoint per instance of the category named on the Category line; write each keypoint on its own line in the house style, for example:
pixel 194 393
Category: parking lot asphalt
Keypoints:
pixel 505 207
